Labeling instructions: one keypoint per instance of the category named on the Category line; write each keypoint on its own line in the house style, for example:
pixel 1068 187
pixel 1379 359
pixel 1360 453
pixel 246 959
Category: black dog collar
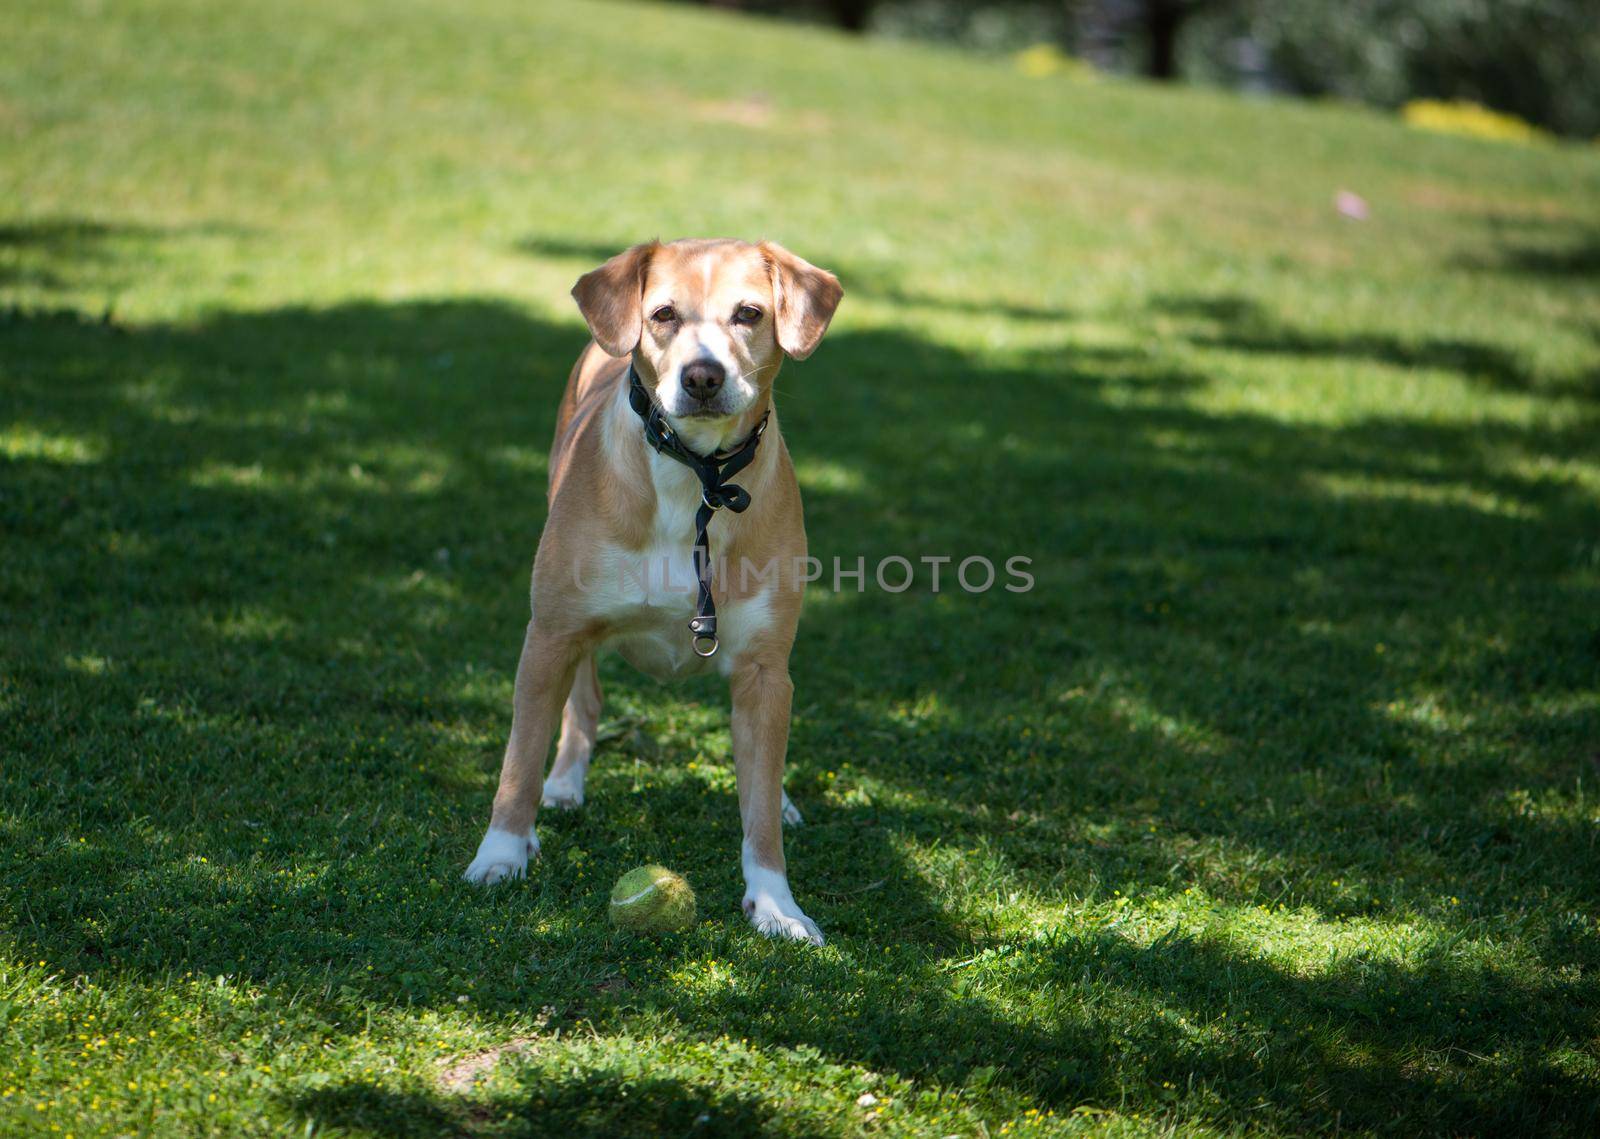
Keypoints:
pixel 715 493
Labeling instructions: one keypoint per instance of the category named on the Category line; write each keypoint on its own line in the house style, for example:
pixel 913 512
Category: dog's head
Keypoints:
pixel 708 322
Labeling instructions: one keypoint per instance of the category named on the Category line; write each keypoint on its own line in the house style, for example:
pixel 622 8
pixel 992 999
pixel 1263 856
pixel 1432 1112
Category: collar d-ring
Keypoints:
pixel 704 646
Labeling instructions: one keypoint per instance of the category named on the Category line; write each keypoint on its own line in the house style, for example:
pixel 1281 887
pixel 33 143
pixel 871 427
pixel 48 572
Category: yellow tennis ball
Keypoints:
pixel 652 899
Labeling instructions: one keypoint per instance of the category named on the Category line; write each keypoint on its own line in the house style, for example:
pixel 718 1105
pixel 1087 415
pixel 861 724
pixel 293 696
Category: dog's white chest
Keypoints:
pixel 648 599
pixel 657 583
pixel 648 596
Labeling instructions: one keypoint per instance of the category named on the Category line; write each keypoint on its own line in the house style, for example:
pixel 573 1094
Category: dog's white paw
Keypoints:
pixel 791 814
pixel 772 910
pixel 772 921
pixel 502 855
pixel 564 792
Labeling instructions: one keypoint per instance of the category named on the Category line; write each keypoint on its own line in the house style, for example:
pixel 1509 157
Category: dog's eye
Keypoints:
pixel 746 314
pixel 666 314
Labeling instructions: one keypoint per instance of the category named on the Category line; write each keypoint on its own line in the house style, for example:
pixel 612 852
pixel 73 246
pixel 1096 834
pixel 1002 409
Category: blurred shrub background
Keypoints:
pixel 1535 59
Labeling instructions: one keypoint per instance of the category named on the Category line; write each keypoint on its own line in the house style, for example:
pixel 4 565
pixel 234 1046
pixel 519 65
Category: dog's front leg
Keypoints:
pixel 544 678
pixel 761 696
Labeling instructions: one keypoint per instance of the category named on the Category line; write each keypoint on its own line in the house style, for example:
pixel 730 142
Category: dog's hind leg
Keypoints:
pixel 580 721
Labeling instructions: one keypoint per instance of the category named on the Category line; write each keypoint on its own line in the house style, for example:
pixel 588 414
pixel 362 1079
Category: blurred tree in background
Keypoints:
pixel 1539 59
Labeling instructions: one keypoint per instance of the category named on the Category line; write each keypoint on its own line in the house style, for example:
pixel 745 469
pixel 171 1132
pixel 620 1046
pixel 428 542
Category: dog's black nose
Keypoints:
pixel 702 379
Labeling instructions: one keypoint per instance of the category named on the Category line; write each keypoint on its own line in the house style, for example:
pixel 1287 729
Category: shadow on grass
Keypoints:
pixel 49 253
pixel 877 282
pixel 1571 261
pixel 596 1103
pixel 1240 324
pixel 267 573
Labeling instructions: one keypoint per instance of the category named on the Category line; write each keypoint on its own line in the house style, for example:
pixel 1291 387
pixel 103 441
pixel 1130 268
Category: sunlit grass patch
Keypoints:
pixel 21 442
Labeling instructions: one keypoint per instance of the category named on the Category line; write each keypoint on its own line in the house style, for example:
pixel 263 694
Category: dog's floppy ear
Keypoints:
pixel 611 297
pixel 804 297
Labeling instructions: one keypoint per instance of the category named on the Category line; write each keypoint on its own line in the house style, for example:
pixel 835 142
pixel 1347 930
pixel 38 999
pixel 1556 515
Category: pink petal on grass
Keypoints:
pixel 1352 206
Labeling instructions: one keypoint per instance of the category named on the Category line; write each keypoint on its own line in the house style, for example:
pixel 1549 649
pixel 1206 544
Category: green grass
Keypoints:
pixel 1272 809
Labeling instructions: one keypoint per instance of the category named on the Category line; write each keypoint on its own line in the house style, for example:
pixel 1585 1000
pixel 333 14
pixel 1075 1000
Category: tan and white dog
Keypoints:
pixel 704 326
